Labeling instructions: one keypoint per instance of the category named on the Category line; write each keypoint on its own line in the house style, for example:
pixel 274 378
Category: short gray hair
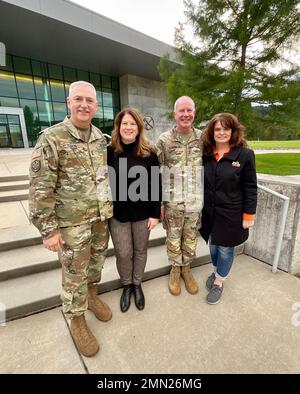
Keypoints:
pixel 78 83
pixel 180 98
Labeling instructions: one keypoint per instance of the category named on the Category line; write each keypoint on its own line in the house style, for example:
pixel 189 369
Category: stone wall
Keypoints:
pixel 149 98
pixel 262 240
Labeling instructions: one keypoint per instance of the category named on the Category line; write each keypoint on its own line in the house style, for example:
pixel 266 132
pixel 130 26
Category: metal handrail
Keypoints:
pixel 282 222
pixel 107 136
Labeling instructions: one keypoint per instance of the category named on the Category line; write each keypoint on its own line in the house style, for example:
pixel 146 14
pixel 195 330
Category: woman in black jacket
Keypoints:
pixel 135 183
pixel 230 196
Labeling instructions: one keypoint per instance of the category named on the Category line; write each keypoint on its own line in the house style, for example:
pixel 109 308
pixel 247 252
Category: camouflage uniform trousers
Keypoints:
pixel 82 258
pixel 182 231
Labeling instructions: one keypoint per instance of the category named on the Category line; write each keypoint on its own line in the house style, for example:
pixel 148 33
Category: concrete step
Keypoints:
pixel 30 260
pixel 14 178
pixel 14 185
pixel 13 195
pixel 19 237
pixel 26 261
pixel 28 235
pixel 14 214
pixel 33 293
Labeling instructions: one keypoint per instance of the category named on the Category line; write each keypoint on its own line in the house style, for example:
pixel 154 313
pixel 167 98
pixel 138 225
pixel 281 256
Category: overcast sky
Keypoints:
pixel 156 18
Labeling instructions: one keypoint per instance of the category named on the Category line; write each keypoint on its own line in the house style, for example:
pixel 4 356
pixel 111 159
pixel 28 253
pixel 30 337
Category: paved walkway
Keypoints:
pixel 254 329
pixel 262 151
pixel 16 161
pixel 14 213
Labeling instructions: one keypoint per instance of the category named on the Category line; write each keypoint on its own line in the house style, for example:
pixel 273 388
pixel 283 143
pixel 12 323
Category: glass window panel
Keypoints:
pixel 107 99
pixel 31 119
pixel 54 122
pixel 9 102
pixel 67 87
pixel 98 122
pixel 25 86
pixel 16 136
pixel 4 136
pixel 36 129
pixel 106 81
pixel 60 111
pixel 108 113
pixel 55 71
pixel 13 119
pixel 99 97
pixel 95 122
pixel 45 113
pixel 39 69
pixel 107 129
pixel 22 65
pixel 32 108
pixel 57 91
pixel 70 74
pixel 116 98
pixel 108 123
pixel 95 80
pixel 42 89
pixel 33 142
pixel 115 83
pixel 99 113
pixel 8 64
pixel 83 75
pixel 108 117
pixel 101 122
pixel 8 84
pixel 116 111
pixel 3 119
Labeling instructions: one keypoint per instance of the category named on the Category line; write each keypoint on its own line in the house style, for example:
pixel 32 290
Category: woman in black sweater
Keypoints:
pixel 135 184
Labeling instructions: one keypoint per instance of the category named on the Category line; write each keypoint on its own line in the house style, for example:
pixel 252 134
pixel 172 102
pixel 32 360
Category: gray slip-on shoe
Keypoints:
pixel 214 295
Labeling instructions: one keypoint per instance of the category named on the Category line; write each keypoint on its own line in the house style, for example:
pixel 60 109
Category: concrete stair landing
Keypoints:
pixel 30 275
pixel 14 188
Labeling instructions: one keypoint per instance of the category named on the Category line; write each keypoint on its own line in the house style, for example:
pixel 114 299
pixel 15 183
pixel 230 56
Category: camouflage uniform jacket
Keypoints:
pixel 181 162
pixel 68 179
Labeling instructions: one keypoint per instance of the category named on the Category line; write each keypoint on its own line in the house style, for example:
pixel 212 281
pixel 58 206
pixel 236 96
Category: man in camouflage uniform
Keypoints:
pixel 70 202
pixel 180 154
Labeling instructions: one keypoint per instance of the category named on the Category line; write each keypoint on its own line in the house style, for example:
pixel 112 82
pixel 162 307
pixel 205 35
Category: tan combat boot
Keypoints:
pixel 174 280
pixel 101 310
pixel 84 339
pixel 189 280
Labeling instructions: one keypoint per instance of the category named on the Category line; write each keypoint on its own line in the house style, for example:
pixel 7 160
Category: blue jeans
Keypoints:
pixel 222 259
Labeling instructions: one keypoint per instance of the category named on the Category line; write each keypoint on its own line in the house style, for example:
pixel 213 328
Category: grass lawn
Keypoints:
pixel 278 163
pixel 275 144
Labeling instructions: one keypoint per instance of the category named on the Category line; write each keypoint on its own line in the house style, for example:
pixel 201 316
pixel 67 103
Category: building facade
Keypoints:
pixel 56 42
pixel 39 90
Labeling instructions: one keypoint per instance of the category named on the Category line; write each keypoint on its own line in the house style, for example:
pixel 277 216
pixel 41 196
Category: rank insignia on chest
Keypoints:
pixel 235 164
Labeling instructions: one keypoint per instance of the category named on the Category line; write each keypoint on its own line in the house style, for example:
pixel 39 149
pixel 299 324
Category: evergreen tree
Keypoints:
pixel 240 64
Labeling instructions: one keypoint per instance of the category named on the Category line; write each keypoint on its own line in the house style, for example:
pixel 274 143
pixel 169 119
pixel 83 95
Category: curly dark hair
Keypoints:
pixel 227 120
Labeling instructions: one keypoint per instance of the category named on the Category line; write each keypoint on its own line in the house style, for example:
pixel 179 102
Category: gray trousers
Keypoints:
pixel 130 241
